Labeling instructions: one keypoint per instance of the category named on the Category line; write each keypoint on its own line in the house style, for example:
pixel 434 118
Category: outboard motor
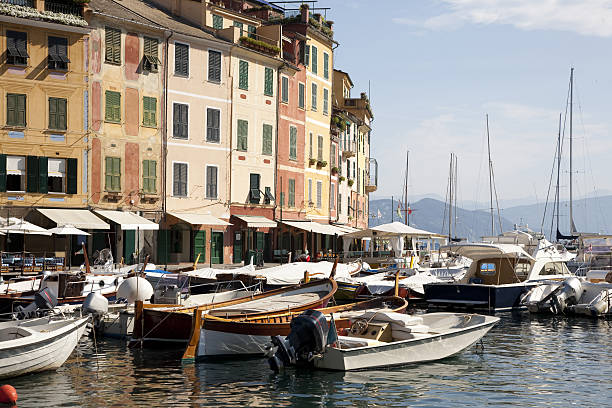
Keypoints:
pixel 96 304
pixel 308 337
pixel 44 299
pixel 568 294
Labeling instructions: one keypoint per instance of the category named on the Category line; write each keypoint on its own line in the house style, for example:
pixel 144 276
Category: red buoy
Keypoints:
pixel 8 395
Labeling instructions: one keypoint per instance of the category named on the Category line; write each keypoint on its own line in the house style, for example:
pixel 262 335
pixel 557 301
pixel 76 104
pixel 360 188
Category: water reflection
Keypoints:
pixel 527 360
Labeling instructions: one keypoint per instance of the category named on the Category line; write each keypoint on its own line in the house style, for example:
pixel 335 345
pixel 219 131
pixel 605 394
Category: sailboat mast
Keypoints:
pixel 406 190
pixel 455 196
pixel 490 178
pixel 450 198
pixel 571 209
pixel 558 175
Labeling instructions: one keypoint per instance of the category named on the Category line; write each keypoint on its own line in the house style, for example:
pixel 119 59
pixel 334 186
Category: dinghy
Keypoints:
pixel 378 340
pixel 39 344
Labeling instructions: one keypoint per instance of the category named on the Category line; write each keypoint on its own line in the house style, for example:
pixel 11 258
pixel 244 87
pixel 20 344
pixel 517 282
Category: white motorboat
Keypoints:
pixel 39 344
pixel 381 340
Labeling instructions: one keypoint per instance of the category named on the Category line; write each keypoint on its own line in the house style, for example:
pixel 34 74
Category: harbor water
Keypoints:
pixel 524 361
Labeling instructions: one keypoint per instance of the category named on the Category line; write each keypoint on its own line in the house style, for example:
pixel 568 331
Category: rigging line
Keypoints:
pixel 446 199
pixel 552 172
pixel 558 192
pixel 477 191
pixel 496 201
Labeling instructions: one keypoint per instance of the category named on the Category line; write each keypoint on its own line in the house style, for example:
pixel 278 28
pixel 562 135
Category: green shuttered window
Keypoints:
pixel 325 101
pixel 325 65
pixel 252 32
pixel 217 22
pixel 149 176
pixel 269 82
pixel 113 107
pixel 314 68
pixel 211 182
pixel 58 53
pixel 214 66
pixel 285 89
pixel 181 59
pixel 243 135
pixel 291 201
pixel 16 110
pixel 213 125
pixel 57 113
pixel 112 174
pixel 320 148
pixel 149 111
pixel 179 185
pixel 307 55
pixel 267 140
pixel 112 41
pixel 150 60
pixel 301 96
pixel 16 47
pixel 243 75
pixel 255 192
pixel 293 143
pixel 72 170
pixel 313 97
pixel 180 121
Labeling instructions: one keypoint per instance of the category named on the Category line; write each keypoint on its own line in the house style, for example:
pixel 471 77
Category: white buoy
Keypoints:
pixel 135 288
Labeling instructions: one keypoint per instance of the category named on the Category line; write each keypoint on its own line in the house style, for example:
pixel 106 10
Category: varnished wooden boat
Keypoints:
pixel 164 323
pixel 217 336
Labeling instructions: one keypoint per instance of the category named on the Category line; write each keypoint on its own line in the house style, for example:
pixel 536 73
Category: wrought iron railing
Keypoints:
pixel 64 8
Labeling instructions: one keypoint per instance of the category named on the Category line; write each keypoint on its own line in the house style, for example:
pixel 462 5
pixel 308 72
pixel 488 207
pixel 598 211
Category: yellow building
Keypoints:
pixel 43 86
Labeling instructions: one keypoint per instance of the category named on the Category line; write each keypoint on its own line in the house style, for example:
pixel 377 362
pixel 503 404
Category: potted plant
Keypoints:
pixel 312 161
pixel 351 182
pixel 334 170
pixel 342 178
pixel 321 163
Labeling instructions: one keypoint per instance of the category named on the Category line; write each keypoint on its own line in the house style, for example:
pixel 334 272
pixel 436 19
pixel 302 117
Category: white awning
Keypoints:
pixel 315 227
pixel 257 221
pixel 128 220
pixel 83 219
pixel 199 219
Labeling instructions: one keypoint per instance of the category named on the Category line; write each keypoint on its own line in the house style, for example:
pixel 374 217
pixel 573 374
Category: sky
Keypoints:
pixel 436 68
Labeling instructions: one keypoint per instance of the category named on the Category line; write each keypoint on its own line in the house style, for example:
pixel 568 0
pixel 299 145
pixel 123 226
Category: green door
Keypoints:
pixel 163 246
pixel 259 241
pixel 199 246
pixel 129 246
pixel 237 247
pixel 216 248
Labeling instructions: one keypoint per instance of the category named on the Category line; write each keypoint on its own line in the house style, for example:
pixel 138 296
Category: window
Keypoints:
pixel 325 101
pixel 285 89
pixel 213 125
pixel 179 179
pixel 149 111
pixel 15 173
pixel 57 113
pixel 301 96
pixel 16 48
pixel 242 135
pixel 319 193
pixel 243 75
pixel 325 65
pixel 113 106
pixel 56 175
pixel 112 174
pixel 354 167
pixel 314 67
pixel 313 102
pixel 267 140
pixel 16 110
pixel 310 156
pixel 217 22
pixel 268 197
pixel 332 196
pixel 320 148
pixel 58 53
pixel 181 59
pixel 291 188
pixel 310 192
pixel 150 61
pixel 254 193
pixel 211 181
pixel 240 26
pixel 268 82
pixel 339 203
pixel 180 121
pixel 112 42
pixel 252 31
pixel 333 155
pixel 292 143
pixel 487 269
pixel 214 66
pixel 307 55
pixel 149 176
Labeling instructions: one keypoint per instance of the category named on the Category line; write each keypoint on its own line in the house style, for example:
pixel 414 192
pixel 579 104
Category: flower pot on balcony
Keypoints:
pixel 342 178
pixel 321 163
pixel 312 161
pixel 351 182
pixel 334 170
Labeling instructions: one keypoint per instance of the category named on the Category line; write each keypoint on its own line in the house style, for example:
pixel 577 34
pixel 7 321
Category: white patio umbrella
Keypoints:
pixel 24 227
pixel 68 230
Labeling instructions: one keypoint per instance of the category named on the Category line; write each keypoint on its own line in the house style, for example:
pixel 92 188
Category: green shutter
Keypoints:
pixel 293 143
pixel 2 172
pixel 112 40
pixel 252 31
pixel 43 176
pixel 116 185
pixel 52 113
pixel 217 22
pixel 314 68
pixel 108 169
pixel 57 113
pixel 267 139
pixel 302 96
pixel 163 246
pixel 149 111
pixel 307 55
pixel 152 176
pixel 268 84
pixel 11 105
pixel 243 74
pixel 326 65
pixel 32 174
pixel 61 113
pixel 72 173
pixel 291 202
pixel 243 135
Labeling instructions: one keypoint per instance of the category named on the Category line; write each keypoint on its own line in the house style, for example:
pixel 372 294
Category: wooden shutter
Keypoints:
pixel 326 65
pixel 291 201
pixel 302 96
pixel 293 143
pixel 307 55
pixel 267 139
pixel 112 40
pixel 61 113
pixel 181 59
pixel 268 78
pixel 320 148
pixel 11 109
pixel 185 121
pixel 314 67
pixel 212 125
pixel 2 172
pixel 21 110
pixel 243 74
pixel 43 175
pixel 32 174
pixel 285 89
pixel 116 174
pixel 243 135
pixel 71 175
pixel 53 113
pixel 214 66
pixel 183 179
pixel 325 100
pixel 152 176
pixel 211 182
pixel 314 97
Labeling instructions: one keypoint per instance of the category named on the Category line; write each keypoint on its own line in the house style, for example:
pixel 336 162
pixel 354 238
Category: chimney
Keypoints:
pixel 364 95
pixel 304 12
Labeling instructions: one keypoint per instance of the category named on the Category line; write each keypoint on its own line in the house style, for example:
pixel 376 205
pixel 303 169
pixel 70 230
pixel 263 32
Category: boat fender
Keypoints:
pixel 8 395
pixel 101 283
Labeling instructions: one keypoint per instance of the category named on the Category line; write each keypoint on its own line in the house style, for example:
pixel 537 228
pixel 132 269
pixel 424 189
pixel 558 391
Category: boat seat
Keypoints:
pixel 353 342
pixel 12 333
pixel 392 317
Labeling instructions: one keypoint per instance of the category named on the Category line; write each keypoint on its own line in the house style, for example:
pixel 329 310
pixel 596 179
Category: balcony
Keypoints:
pixel 370 186
pixel 64 7
pixel 372 176
pixel 348 149
pixel 65 12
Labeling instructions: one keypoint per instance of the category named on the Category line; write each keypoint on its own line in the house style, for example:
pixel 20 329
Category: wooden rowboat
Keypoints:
pixel 218 336
pixel 161 323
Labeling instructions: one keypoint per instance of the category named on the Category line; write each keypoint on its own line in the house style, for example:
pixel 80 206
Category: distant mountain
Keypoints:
pixel 590 215
pixel 429 214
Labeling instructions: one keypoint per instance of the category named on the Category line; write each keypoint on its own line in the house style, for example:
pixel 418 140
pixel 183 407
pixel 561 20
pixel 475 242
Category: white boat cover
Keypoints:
pixel 477 251
pixel 211 273
pixel 293 273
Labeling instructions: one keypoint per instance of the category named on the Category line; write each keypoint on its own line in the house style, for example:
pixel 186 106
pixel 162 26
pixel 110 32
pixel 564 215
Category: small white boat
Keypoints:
pixel 40 344
pixel 387 339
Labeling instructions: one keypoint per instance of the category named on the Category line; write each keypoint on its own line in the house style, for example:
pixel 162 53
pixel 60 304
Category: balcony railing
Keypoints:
pixel 64 8
pixel 24 3
pixel 348 149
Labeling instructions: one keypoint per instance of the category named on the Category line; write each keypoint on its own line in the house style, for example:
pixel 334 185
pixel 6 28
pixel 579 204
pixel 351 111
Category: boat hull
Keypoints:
pixel 491 298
